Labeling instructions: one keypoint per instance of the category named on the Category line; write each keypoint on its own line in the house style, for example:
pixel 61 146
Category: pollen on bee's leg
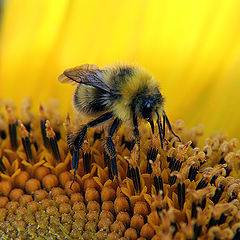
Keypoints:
pixel 53 145
pixel 26 141
pixel 12 128
pixel 86 157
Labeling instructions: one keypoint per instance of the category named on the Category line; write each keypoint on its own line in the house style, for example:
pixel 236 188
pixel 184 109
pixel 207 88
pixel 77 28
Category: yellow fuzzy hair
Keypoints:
pixel 140 79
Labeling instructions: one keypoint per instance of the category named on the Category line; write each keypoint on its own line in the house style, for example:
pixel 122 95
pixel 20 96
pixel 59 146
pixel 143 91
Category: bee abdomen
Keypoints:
pixel 91 100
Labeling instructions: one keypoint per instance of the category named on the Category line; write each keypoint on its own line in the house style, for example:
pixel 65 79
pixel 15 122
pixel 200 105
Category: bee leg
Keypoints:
pixel 160 129
pixel 152 125
pixel 164 127
pixel 111 148
pixel 169 125
pixel 136 131
pixel 80 138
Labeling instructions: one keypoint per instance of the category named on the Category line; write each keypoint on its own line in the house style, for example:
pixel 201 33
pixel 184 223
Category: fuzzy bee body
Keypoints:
pixel 130 87
pixel 123 93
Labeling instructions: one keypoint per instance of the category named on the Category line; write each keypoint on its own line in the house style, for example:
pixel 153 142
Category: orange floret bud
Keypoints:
pixel 50 181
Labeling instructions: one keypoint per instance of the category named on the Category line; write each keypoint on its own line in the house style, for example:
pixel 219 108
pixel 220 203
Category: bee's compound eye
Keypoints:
pixel 147 108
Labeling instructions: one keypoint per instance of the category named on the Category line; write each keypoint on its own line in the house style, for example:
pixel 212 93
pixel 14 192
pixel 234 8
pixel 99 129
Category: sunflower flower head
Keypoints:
pixel 180 191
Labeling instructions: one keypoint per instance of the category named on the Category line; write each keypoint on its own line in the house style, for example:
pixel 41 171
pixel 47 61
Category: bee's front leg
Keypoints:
pixel 78 142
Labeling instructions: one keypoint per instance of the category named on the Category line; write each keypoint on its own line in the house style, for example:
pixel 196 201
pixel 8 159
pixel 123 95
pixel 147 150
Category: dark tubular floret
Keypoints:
pixel 12 128
pixel 52 140
pixel 43 120
pixel 2 166
pixel 86 157
pixel 26 142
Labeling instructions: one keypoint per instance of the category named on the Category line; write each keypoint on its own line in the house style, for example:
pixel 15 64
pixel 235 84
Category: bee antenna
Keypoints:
pixel 169 126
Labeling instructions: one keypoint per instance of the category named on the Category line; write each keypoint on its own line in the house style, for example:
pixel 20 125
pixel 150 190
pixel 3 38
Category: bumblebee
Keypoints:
pixel 121 93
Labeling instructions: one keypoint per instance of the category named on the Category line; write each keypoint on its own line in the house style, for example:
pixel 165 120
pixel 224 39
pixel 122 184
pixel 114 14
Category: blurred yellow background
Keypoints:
pixel 192 47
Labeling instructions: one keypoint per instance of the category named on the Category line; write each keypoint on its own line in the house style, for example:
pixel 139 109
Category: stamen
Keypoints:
pixel 197 230
pixel 3 128
pixel 53 145
pixel 152 153
pixel 205 179
pixel 128 144
pixel 199 198
pixel 233 192
pixel 133 168
pixel 26 114
pixel 219 214
pixel 34 142
pixel 151 156
pixel 201 184
pixel 157 178
pixel 237 232
pixel 177 157
pixel 12 128
pixel 26 141
pixel 175 167
pixel 43 120
pixel 180 188
pixel 193 172
pixel 2 166
pixel 218 194
pixel 69 131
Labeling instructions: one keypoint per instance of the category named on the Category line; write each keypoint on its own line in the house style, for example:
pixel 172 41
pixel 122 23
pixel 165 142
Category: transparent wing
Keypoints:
pixel 88 74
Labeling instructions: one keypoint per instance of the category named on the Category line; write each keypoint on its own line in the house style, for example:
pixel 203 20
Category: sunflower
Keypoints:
pixel 185 190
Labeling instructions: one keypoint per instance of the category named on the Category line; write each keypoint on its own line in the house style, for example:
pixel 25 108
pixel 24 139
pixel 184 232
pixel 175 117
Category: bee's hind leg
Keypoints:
pixel 110 148
pixel 78 142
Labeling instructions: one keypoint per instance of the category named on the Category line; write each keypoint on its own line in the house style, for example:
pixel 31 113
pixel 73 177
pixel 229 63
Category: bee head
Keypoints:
pixel 146 108
pixel 146 105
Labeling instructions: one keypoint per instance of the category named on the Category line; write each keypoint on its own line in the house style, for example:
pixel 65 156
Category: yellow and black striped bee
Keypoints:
pixel 122 93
